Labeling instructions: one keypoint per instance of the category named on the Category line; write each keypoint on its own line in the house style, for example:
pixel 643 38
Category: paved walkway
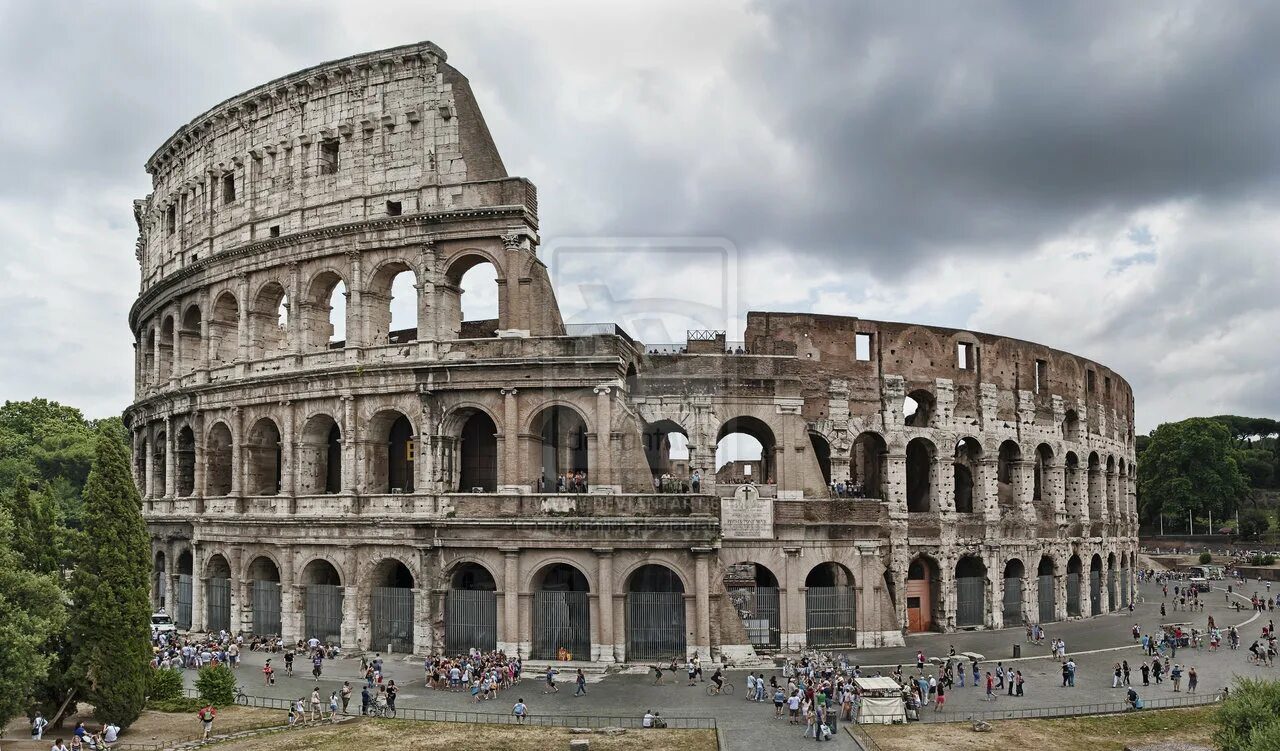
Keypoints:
pixel 1096 645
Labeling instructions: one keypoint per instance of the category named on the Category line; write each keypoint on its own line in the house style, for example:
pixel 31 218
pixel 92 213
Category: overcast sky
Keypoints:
pixel 1100 177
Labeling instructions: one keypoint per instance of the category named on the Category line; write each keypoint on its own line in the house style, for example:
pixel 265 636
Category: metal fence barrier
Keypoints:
pixel 1028 713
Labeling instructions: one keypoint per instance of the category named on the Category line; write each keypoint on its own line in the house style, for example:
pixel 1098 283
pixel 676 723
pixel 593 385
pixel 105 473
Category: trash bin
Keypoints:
pixel 1017 650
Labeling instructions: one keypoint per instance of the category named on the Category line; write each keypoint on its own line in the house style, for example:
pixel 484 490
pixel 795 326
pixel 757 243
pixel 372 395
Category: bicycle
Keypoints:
pixel 726 688
pixel 241 697
pixel 381 709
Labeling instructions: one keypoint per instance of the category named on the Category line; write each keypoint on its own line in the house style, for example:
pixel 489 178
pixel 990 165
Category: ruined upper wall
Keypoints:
pixel 384 133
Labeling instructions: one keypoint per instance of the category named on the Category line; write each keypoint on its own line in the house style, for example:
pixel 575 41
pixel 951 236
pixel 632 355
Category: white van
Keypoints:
pixel 1199 583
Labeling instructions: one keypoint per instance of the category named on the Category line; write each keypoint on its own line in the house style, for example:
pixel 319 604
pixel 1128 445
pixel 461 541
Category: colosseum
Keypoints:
pixel 312 467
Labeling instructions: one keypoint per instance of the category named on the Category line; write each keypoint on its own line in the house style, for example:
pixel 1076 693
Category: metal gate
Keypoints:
pixel 470 620
pixel 182 618
pixel 218 596
pixel 1048 598
pixel 1124 587
pixel 1073 594
pixel 655 625
pixel 971 600
pixel 1012 610
pixel 829 616
pixel 266 608
pixel 323 613
pixel 392 615
pixel 561 620
pixel 758 607
pixel 1111 589
pixel 1095 592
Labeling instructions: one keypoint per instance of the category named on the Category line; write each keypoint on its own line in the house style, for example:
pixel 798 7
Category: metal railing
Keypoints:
pixel 861 737
pixel 1028 713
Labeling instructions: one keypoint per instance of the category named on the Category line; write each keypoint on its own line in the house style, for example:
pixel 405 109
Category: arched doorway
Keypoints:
pixel 470 301
pixel 392 314
pixel 264 596
pixel 1008 481
pixel 218 595
pixel 185 458
pixel 655 614
pixel 923 597
pixel 1040 496
pixel 1011 608
pixel 471 610
pixel 391 607
pixel 560 450
pixel 320 469
pixel 263 453
pixel 753 590
pixel 745 449
pixel 971 592
pixel 392 453
pixel 920 458
pixel 1095 584
pixel 324 311
pixel 967 462
pixel 1047 590
pixel 667 454
pixel 830 604
pixel 269 323
pixel 189 341
pixel 217 472
pixel 224 331
pixel 478 454
pixel 182 614
pixel 561 614
pixel 1074 575
pixel 867 466
pixel 322 606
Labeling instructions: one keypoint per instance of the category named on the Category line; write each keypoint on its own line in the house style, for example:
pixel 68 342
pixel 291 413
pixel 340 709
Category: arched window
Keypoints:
pixel 269 323
pixel 560 451
pixel 186 461
pixel 320 458
pixel 392 305
pixel 324 310
pixel 393 447
pixel 224 331
pixel 666 449
pixel 263 454
pixel 920 458
pixel 189 341
pixel 745 451
pixel 470 300
pixel 967 465
pixel 917 409
pixel 218 461
pixel 867 466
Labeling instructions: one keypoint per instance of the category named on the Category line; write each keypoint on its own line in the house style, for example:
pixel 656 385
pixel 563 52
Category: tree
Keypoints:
pixel 1252 524
pixel 1249 719
pixel 1190 466
pixel 110 628
pixel 38 534
pixel 217 685
pixel 31 609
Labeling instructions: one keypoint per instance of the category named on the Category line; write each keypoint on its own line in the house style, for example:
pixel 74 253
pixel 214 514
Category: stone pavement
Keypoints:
pixel 1096 645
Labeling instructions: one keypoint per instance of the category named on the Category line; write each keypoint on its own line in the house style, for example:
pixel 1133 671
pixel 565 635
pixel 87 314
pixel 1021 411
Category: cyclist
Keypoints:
pixel 718 679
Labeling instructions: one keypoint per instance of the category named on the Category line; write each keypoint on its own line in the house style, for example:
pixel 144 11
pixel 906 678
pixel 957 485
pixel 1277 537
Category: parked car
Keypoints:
pixel 161 623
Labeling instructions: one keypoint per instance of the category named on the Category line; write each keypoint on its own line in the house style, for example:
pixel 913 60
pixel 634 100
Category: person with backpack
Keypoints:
pixel 206 716
pixel 37 727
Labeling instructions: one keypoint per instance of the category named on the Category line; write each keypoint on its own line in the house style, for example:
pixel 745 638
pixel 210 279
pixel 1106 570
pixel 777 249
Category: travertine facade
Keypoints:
pixel 399 486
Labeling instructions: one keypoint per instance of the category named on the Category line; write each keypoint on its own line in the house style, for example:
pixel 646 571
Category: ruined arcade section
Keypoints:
pixel 313 466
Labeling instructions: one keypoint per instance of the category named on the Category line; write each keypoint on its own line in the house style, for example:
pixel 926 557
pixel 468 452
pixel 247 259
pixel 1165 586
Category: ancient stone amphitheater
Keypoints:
pixel 311 469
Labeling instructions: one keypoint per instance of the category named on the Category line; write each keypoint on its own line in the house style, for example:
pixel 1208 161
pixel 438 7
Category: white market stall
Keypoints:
pixel 881 703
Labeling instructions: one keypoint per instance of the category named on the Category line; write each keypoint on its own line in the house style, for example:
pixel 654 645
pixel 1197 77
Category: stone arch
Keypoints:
pixel 759 431
pixel 921 457
pixel 1047 589
pixel 470 607
pixel 1095 584
pixel 159 464
pixel 322 599
pixel 149 356
pixel 1075 573
pixel 263 455
pixel 217 566
pixel 317 309
pixel 159 579
pixel 867 469
pixel 655 610
pixel 168 330
pixel 1096 487
pixel 1071 426
pixel 224 330
pixel 968 467
pixel 659 447
pixel 391 604
pixel 185 461
pixel 190 339
pixel 830 606
pixel 753 591
pixel 471 575
pixel 924 594
pixel 918 408
pixel 392 445
pixel 1007 477
pixel 378 297
pixel 559 447
pixel 469 265
pixel 971 591
pixel 320 456
pixel 1011 607
pixel 268 321
pixel 822 453
pixel 561 611
pixel 217 457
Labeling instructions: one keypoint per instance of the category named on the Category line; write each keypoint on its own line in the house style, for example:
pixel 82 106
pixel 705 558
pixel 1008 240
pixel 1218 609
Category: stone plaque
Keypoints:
pixel 746 516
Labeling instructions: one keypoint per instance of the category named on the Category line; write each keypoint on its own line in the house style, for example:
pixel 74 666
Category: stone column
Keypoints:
pixel 237 585
pixel 356 335
pixel 511 474
pixel 896 482
pixel 288 450
pixel 155 358
pixel 1024 485
pixel 169 443
pixel 990 490
pixel 242 329
pixel 603 470
pixel 237 451
pixel 198 584
pixel 297 323
pixel 702 602
pixel 349 444
pixel 791 602
pixel 352 604
pixel 291 598
pixel 605 648
pixel 511 641
pixel 148 481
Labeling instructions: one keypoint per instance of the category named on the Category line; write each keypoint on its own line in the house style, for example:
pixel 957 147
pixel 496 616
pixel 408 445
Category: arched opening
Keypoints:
pixel 269 323
pixel 561 614
pixel 478 454
pixel 391 607
pixel 392 307
pixel 224 331
pixel 159 581
pixel 753 590
pixel 1074 575
pixel 264 596
pixel 924 601
pixel 1009 482
pixel 1044 460
pixel 217 469
pixel 1125 582
pixel 1047 597
pixel 149 358
pixel 322 602
pixel 560 450
pixel 822 453
pixel 189 341
pixel 392 450
pixel 917 409
pixel 185 459
pixel 325 313
pixel 920 458
pixel 667 453
pixel 1071 426
pixel 263 454
pixel 867 466
pixel 182 615
pixel 160 466
pixel 218 594
pixel 1095 584
pixel 1072 486
pixel 470 298
pixel 655 614
pixel 166 350
pixel 471 610
pixel 1095 481
pixel 971 592
pixel 1011 608
pixel 830 606
pixel 320 456
pixel 745 449
pixel 1110 489
pixel 968 461
pixel 1113 590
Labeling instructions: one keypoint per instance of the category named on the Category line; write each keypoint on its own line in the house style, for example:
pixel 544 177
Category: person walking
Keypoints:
pixel 206 716
pixel 991 685
pixel 1124 671
pixel 1175 677
pixel 37 727
pixel 581 680
pixel 346 695
pixel 315 705
pixel 1018 675
pixel 1192 679
pixel 552 688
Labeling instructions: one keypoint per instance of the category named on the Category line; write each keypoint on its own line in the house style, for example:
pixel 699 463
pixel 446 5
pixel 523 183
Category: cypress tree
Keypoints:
pixel 110 621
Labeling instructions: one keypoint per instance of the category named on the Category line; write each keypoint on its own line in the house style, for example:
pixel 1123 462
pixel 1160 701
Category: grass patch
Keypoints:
pixel 1097 733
